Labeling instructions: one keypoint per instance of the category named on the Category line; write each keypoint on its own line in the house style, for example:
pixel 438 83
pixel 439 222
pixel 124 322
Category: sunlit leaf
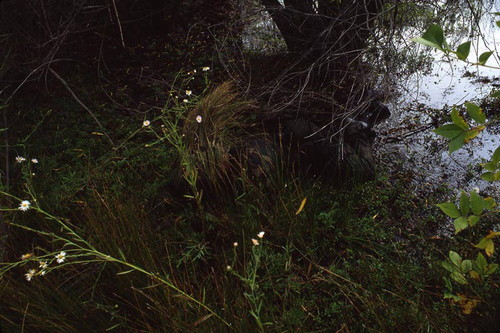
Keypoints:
pixel 476 203
pixel 489 203
pixel 473 219
pixel 493 234
pixel 455 258
pixel 475 112
pixel 449 209
pixel 487 245
pixel 449 131
pixel 457 143
pixel 460 224
pixel 484 57
pixel 463 50
pixel 490 166
pixel 433 37
pixel 471 134
pixel 301 206
pixel 489 176
pixel 475 275
pixel 466 266
pixel 495 93
pixel 458 277
pixel 458 119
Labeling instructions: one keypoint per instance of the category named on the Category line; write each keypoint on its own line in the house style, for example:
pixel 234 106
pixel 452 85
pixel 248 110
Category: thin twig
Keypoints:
pixel 81 103
pixel 119 24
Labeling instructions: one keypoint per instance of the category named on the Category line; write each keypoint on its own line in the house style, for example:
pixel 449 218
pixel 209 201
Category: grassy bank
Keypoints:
pixel 151 245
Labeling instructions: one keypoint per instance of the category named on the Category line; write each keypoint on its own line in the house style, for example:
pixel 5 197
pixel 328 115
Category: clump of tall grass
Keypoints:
pixel 214 131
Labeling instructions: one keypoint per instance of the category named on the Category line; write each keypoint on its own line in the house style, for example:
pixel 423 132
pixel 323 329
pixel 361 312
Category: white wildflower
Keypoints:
pixel 24 206
pixel 188 92
pixel 255 242
pixel 476 189
pixel 205 69
pixel 34 160
pixel 185 100
pixel 261 234
pixel 235 244
pixel 61 257
pixel 198 119
pixel 43 264
pixel 20 159
pixel 30 274
pixel 146 123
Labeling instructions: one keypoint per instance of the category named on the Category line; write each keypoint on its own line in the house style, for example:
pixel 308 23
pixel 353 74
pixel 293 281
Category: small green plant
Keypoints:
pixel 253 293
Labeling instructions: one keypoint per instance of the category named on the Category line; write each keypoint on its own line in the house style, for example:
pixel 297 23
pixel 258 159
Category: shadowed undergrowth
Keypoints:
pixel 154 240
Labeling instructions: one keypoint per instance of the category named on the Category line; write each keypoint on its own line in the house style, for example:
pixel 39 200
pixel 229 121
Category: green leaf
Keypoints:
pixel 457 143
pixel 455 258
pixel 475 275
pixel 448 266
pixel 484 57
pixel 495 93
pixel 473 219
pixel 460 224
pixel 466 266
pixel 458 277
pixel 481 262
pixel 496 156
pixel 489 176
pixel 475 112
pixel 487 245
pixel 498 23
pixel 491 166
pixel 491 269
pixel 449 131
pixel 450 209
pixel 458 119
pixel 448 295
pixel 464 203
pixel 463 50
pixel 489 203
pixel 476 202
pixel 471 134
pixel 433 37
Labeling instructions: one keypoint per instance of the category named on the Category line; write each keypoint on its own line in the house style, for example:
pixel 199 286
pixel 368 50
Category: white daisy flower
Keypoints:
pixel 20 159
pixel 261 234
pixel 185 100
pixel 205 69
pixel 30 274
pixel 24 206
pixel 255 242
pixel 198 119
pixel 235 244
pixel 188 92
pixel 43 264
pixel 146 123
pixel 61 257
pixel 34 160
